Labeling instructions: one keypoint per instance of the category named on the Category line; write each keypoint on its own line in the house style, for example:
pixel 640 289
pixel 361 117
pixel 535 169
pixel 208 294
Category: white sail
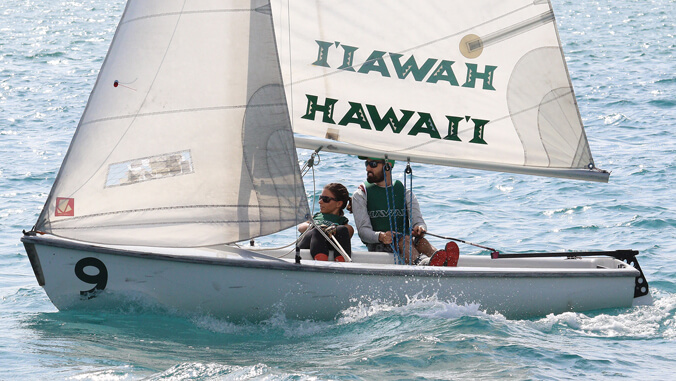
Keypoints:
pixel 481 85
pixel 186 138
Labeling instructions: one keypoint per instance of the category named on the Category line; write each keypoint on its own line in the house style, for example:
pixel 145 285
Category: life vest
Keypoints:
pixel 377 206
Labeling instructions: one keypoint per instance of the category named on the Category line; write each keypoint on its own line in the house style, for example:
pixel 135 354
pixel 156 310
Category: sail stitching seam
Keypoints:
pixel 182 13
pixel 170 223
pixel 176 207
pixel 181 111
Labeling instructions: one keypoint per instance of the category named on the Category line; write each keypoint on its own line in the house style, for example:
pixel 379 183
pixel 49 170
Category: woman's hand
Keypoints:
pixel 329 230
pixel 303 227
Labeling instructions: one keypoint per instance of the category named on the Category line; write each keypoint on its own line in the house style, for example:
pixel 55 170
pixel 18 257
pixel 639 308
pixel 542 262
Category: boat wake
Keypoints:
pixel 643 321
pixel 425 307
pixel 365 313
pixel 202 371
pixel 653 320
pixel 373 332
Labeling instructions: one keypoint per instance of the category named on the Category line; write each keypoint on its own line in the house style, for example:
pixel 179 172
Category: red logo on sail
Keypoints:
pixel 65 207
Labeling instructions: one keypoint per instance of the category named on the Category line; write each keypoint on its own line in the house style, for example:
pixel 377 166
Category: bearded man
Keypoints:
pixel 379 207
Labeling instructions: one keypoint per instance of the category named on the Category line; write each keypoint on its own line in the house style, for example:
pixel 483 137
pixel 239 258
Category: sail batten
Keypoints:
pixel 193 110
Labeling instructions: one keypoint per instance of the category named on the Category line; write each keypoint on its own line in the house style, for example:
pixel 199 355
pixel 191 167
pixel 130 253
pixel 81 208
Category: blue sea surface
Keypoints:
pixel 621 60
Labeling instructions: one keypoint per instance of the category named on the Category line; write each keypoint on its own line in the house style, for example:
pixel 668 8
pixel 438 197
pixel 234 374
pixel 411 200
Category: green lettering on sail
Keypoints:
pixel 389 119
pixel 368 117
pixel 313 107
pixel 322 54
pixel 443 72
pixel 453 122
pixel 375 62
pixel 348 58
pixel 411 67
pixel 355 115
pixel 479 131
pixel 425 125
pixel 473 74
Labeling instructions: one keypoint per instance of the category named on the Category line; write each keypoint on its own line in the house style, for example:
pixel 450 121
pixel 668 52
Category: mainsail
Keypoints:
pixel 480 84
pixel 186 138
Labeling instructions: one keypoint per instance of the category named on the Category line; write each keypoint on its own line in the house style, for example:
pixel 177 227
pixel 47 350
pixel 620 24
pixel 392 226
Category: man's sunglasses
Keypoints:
pixel 327 199
pixel 373 163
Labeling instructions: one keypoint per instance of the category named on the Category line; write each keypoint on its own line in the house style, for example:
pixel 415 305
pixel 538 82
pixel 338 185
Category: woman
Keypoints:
pixel 331 217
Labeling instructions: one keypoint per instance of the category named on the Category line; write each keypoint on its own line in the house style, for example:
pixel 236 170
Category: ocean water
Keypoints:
pixel 621 59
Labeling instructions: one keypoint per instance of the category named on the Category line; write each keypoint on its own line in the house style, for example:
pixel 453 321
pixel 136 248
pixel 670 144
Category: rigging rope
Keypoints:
pixel 465 242
pixel 408 171
pixel 392 215
pixel 310 164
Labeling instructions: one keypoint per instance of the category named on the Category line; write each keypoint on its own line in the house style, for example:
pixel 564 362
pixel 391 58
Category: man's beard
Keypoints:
pixel 375 178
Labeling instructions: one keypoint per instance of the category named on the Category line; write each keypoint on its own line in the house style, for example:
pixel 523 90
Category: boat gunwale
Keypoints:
pixel 273 263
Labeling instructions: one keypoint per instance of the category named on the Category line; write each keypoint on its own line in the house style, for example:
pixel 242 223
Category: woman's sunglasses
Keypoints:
pixel 327 199
pixel 373 163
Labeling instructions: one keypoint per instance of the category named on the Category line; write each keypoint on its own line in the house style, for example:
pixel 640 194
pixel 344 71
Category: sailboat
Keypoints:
pixel 188 142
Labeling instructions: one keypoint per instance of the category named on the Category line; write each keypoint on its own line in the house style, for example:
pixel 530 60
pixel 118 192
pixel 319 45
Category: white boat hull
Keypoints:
pixel 240 284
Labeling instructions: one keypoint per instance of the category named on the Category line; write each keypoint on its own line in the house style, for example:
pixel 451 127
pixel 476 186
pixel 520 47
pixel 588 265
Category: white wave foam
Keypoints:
pixel 648 321
pixel 121 374
pixel 278 322
pixel 296 328
pixel 210 371
pixel 216 325
pixel 614 118
pixel 428 307
pixel 198 371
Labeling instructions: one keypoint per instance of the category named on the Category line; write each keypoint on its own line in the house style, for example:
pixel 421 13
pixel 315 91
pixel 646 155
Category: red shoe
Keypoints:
pixel 452 254
pixel 439 258
pixel 321 257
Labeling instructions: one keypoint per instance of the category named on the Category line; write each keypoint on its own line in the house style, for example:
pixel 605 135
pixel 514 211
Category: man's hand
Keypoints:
pixel 419 231
pixel 385 237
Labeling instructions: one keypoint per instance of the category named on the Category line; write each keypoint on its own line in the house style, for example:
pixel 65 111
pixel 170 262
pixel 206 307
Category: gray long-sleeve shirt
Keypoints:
pixel 363 222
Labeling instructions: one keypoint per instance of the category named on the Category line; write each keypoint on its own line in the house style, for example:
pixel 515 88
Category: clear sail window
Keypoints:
pixel 149 168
